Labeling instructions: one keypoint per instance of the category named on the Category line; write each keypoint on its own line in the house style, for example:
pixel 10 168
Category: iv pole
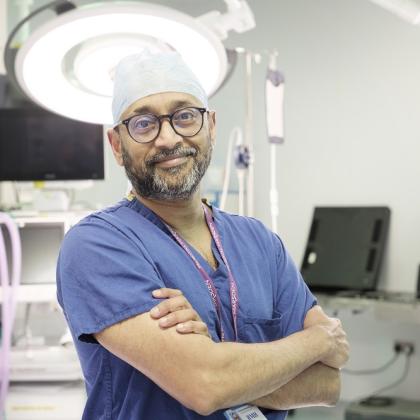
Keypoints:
pixel 274 95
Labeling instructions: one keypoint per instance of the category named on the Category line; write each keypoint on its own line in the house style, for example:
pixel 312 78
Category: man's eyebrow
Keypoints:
pixel 179 104
pixel 172 106
pixel 142 110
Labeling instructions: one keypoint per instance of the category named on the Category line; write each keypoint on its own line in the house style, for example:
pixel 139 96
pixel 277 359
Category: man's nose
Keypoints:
pixel 167 137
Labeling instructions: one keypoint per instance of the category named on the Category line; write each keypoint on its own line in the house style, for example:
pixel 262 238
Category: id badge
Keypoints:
pixel 244 412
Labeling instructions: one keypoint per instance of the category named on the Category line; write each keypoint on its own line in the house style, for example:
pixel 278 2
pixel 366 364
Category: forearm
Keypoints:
pixel 317 385
pixel 243 372
pixel 207 376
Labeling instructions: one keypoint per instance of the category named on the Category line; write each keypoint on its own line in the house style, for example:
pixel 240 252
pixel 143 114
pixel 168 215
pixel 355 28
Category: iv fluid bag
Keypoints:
pixel 274 96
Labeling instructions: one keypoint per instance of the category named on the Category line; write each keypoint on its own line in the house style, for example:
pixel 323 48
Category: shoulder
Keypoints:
pixel 103 220
pixel 98 229
pixel 245 226
pixel 254 233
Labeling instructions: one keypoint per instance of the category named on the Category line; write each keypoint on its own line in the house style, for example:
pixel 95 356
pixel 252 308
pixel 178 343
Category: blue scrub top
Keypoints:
pixel 110 263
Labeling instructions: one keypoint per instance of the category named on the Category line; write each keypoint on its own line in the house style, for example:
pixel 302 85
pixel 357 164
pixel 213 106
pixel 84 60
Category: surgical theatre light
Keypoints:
pixel 66 65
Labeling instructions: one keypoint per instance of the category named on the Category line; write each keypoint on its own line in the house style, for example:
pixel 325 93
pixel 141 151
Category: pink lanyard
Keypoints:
pixel 206 278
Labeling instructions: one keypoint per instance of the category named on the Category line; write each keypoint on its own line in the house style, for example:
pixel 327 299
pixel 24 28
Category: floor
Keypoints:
pixel 318 413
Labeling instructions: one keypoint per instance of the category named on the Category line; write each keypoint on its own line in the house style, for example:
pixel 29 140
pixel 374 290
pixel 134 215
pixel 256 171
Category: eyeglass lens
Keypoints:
pixel 186 122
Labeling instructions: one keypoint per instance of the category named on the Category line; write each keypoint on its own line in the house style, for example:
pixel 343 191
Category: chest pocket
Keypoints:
pixel 260 330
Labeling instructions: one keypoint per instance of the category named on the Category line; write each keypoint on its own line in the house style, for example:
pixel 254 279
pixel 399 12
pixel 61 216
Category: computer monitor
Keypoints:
pixel 345 248
pixel 39 145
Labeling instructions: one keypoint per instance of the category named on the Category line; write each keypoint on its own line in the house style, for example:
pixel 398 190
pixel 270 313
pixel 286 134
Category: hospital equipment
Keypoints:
pixel 385 408
pixel 241 146
pixel 235 139
pixel 82 45
pixel 274 96
pixel 345 248
pixel 9 284
pixel 40 145
pixel 41 358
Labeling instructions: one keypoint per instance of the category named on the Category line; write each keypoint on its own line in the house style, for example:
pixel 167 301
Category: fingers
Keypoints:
pixel 165 292
pixel 175 310
pixel 182 315
pixel 171 304
pixel 340 348
pixel 196 327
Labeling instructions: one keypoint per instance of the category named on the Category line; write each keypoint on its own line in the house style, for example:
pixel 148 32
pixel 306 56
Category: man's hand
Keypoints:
pixel 336 336
pixel 177 311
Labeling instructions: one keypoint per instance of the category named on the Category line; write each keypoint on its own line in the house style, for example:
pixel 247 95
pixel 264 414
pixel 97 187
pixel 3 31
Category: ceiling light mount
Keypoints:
pixel 408 10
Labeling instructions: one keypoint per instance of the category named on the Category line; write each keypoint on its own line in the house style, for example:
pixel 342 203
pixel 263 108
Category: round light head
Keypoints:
pixel 67 64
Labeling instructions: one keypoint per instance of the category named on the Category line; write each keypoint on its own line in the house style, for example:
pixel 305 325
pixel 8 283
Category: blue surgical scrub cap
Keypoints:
pixel 141 75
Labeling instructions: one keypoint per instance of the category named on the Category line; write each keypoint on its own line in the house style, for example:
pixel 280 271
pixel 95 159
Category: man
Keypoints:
pixel 270 345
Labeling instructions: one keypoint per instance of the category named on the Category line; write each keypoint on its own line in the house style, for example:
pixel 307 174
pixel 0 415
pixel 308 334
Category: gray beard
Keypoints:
pixel 149 183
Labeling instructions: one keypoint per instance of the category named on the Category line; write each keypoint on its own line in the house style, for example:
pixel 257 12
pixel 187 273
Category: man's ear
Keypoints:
pixel 212 126
pixel 115 142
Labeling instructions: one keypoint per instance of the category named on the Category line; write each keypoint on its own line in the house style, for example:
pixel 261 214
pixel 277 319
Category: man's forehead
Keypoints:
pixel 162 103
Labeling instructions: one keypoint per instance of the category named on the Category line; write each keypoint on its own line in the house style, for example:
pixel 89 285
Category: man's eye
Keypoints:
pixel 185 116
pixel 144 123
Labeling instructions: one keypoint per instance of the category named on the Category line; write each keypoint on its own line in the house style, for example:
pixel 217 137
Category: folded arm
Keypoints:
pixel 320 384
pixel 206 376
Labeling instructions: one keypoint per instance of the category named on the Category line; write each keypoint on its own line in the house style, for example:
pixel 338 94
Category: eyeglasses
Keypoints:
pixel 144 128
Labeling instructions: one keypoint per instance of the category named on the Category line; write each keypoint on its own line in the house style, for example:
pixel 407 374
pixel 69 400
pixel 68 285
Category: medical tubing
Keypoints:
pixel 4 277
pixel 9 299
pixel 236 133
pixel 241 195
pixel 248 133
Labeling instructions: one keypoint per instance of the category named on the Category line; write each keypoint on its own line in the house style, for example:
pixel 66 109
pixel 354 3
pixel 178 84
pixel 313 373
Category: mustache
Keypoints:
pixel 172 154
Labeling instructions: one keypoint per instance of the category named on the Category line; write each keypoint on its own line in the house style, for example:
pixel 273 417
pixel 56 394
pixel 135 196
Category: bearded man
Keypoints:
pixel 179 310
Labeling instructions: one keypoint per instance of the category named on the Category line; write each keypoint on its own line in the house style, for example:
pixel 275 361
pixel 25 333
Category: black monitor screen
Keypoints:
pixel 39 145
pixel 345 248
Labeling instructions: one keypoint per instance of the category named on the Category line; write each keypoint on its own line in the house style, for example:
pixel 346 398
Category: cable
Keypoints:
pixel 398 381
pixel 375 370
pixel 235 138
pixel 402 378
pixel 249 125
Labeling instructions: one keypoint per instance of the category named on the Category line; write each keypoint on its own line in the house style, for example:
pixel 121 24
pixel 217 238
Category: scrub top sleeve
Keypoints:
pixel 103 277
pixel 294 299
